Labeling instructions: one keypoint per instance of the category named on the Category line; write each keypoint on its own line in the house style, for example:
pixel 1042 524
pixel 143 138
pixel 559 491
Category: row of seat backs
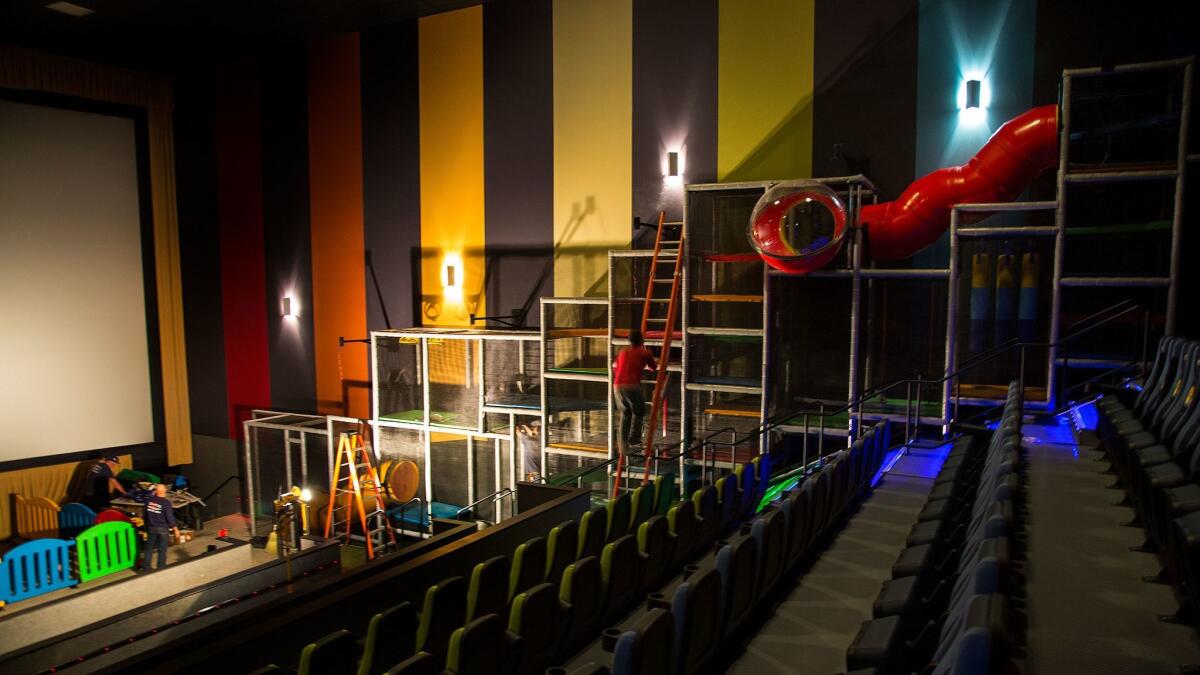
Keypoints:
pixel 1168 400
pixel 975 612
pixel 595 575
pixel 686 625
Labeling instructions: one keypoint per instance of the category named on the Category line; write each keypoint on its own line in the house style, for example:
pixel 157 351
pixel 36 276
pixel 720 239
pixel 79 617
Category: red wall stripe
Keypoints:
pixel 240 216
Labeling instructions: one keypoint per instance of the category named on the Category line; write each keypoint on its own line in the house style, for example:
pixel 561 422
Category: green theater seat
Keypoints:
pixel 682 521
pixel 421 663
pixel 642 506
pixel 562 547
pixel 656 546
pixel 536 618
pixel 391 637
pixel 582 594
pixel 441 614
pixel 334 654
pixel 478 648
pixel 621 571
pixel 619 511
pixel 593 527
pixel 528 567
pixel 488 592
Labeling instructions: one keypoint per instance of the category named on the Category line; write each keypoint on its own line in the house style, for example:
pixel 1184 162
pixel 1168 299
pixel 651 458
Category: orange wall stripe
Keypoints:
pixel 336 203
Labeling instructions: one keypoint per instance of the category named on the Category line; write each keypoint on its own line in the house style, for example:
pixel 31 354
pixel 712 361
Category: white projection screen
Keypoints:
pixel 74 361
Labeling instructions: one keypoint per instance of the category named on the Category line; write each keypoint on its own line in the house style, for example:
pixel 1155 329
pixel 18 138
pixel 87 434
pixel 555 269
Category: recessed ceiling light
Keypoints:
pixel 70 8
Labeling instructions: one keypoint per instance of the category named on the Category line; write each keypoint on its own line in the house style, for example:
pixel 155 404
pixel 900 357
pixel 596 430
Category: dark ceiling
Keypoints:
pixel 166 34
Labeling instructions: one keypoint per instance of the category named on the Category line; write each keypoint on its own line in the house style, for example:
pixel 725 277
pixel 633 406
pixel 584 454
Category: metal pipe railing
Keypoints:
pixel 912 422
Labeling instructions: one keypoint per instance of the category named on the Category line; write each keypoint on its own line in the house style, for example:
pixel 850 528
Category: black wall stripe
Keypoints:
pixel 286 228
pixel 865 78
pixel 391 169
pixel 674 99
pixel 200 250
pixel 518 155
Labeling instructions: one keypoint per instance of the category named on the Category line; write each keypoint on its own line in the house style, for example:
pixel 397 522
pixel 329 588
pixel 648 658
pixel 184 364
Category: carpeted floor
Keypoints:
pixel 1088 609
pixel 810 630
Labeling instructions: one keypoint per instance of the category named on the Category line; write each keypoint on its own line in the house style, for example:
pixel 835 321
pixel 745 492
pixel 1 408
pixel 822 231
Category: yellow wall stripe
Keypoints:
pixel 765 89
pixel 593 102
pixel 451 108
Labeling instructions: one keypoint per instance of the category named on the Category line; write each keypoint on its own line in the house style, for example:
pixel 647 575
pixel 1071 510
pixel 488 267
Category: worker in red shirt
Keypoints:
pixel 627 389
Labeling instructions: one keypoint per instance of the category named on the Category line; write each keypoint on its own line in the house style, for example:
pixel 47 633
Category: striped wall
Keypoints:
pixel 765 89
pixel 450 60
pixel 593 63
pixel 518 140
pixel 335 172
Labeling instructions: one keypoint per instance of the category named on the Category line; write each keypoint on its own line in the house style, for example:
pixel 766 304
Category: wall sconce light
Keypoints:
pixel 974 96
pixel 452 273
pixel 973 89
pixel 672 164
pixel 286 304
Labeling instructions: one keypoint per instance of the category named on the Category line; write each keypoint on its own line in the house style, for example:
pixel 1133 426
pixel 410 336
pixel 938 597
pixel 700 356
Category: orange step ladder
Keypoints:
pixel 360 479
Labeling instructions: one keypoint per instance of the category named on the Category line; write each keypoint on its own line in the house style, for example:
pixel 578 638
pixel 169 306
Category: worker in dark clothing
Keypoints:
pixel 160 521
pixel 627 389
pixel 101 483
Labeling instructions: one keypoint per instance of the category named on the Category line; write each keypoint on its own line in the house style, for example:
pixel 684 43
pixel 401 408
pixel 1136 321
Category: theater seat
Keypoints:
pixel 696 610
pixel 619 513
pixel 682 521
pixel 421 663
pixel 536 618
pixel 528 566
pixel 334 654
pixel 391 637
pixel 621 572
pixel 593 527
pixel 642 506
pixel 646 649
pixel 478 648
pixel 487 593
pixel 657 548
pixel 582 594
pixel 737 564
pixel 770 535
pixel 442 613
pixel 562 548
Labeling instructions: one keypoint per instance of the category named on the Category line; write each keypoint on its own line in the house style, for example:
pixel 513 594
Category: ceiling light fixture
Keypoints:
pixel 70 9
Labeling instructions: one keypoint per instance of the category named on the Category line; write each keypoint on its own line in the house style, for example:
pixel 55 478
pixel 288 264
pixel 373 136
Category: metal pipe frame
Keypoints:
pixel 1117 282
pixel 1181 159
pixel 1060 237
pixel 1127 68
pixel 1004 232
pixel 852 388
pixel 998 207
pixel 951 355
pixel 869 273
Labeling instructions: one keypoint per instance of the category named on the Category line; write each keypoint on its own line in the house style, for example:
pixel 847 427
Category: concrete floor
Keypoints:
pixel 1088 609
pixel 811 629
pixel 237 525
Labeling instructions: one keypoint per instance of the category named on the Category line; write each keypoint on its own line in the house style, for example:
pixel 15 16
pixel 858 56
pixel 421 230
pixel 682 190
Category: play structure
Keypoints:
pixel 784 311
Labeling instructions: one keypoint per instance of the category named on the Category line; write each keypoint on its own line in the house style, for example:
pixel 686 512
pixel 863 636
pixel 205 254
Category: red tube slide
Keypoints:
pixel 1019 150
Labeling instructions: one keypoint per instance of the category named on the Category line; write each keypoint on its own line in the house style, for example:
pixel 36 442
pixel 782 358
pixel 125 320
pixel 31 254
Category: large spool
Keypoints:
pixel 798 226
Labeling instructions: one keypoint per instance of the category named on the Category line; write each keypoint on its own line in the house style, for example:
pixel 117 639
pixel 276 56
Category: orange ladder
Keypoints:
pixel 671 258
pixel 360 478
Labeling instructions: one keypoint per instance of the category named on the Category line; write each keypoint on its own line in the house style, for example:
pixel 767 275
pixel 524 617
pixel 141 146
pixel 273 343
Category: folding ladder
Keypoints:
pixel 360 479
